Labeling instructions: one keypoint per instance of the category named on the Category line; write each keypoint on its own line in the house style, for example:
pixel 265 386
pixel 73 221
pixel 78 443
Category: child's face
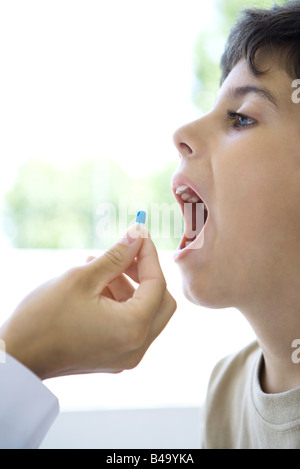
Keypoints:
pixel 247 171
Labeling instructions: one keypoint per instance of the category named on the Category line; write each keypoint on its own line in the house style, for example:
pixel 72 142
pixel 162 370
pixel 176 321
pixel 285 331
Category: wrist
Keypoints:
pixel 25 353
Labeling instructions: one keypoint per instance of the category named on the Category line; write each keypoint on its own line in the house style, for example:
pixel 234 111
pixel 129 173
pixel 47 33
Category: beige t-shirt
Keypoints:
pixel 239 414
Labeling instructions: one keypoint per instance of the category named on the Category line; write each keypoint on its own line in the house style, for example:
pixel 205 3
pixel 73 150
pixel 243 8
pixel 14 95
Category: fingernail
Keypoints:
pixel 131 235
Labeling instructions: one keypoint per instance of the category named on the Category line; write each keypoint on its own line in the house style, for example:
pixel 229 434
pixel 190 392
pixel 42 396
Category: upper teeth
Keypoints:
pixel 181 189
pixel 187 197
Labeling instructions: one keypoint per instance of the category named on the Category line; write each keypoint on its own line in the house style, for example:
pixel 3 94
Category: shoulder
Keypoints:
pixel 232 375
pixel 228 390
pixel 238 361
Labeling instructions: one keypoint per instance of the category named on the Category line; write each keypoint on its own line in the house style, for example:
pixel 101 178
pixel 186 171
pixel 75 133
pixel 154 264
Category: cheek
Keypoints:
pixel 246 185
pixel 252 216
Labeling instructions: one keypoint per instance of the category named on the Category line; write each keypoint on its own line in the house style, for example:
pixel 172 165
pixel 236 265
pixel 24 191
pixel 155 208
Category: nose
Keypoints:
pixel 189 140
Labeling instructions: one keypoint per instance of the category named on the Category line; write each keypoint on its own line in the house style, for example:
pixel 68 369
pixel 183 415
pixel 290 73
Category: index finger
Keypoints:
pixel 152 284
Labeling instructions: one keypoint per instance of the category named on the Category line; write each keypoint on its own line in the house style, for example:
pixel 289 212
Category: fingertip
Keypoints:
pixel 134 234
pixel 89 259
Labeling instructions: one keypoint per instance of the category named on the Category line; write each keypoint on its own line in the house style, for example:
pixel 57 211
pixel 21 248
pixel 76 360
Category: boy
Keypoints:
pixel 242 160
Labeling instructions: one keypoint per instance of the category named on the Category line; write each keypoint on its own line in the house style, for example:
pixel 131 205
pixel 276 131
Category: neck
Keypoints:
pixel 277 327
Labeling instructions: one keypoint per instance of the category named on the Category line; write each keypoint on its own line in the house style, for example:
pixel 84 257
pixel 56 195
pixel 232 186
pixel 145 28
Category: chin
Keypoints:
pixel 204 294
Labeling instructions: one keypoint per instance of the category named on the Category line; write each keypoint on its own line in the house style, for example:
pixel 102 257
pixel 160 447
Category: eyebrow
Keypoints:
pixel 242 91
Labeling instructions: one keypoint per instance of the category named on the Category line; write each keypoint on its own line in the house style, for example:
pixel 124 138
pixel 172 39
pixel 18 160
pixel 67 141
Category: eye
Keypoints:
pixel 240 121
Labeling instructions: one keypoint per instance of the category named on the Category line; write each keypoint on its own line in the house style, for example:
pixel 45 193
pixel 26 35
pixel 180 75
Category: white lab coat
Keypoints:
pixel 27 407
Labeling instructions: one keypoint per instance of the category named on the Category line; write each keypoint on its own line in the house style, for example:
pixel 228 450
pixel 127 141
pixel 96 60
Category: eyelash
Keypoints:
pixel 232 115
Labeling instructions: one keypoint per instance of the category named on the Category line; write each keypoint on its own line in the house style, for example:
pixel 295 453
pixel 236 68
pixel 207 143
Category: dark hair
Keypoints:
pixel 277 28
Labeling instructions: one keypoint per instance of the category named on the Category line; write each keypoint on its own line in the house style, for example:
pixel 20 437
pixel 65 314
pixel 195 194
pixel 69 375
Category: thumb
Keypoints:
pixel 118 258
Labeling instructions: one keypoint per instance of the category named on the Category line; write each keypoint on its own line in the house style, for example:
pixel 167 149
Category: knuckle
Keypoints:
pixel 134 361
pixel 77 277
pixel 163 283
pixel 136 334
pixel 114 256
pixel 173 305
pixel 74 275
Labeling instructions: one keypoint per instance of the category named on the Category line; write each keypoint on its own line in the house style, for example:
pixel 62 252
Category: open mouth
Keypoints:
pixel 195 215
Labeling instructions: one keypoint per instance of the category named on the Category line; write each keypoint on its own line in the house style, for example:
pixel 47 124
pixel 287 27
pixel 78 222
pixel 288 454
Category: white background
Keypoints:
pixel 97 78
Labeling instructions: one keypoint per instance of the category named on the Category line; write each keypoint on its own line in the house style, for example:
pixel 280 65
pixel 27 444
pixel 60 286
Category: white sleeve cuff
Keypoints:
pixel 27 407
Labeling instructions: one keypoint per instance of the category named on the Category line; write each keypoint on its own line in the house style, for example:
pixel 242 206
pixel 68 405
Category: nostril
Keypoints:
pixel 185 149
pixel 184 140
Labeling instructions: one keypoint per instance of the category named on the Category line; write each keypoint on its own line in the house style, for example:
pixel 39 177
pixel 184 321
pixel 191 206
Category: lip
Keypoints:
pixel 178 180
pixel 181 180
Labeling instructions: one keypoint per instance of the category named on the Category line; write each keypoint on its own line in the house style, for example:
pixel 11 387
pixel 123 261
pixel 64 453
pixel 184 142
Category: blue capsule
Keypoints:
pixel 140 217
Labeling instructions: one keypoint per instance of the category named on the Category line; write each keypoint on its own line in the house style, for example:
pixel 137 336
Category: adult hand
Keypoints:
pixel 91 318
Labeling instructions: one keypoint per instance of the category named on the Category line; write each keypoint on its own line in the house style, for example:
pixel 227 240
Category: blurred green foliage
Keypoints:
pixel 86 206
pixel 50 208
